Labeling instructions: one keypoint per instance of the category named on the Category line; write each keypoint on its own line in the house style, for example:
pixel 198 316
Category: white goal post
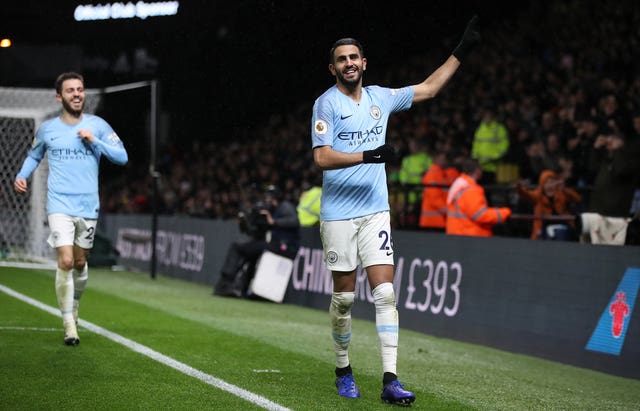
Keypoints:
pixel 23 219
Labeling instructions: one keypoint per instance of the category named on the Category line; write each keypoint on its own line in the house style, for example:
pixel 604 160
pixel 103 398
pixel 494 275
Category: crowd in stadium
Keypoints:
pixel 565 76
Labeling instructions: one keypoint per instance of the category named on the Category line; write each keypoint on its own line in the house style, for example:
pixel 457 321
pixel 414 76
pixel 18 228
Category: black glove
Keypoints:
pixel 381 154
pixel 470 39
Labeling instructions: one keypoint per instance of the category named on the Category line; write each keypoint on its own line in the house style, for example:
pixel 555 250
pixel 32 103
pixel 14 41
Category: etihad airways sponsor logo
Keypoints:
pixel 361 135
pixel 69 153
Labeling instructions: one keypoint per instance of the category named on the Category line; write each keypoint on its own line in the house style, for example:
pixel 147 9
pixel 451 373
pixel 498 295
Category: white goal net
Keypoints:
pixel 23 219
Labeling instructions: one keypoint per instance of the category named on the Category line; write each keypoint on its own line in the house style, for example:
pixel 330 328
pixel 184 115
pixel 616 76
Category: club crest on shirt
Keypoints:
pixel 320 127
pixel 375 112
pixel 332 257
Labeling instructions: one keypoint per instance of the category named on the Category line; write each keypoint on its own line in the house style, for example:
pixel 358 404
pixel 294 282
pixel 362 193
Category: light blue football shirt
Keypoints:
pixel 351 127
pixel 72 186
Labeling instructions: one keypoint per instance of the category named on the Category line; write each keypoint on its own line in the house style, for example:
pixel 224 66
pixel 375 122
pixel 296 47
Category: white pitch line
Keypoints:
pixel 161 358
pixel 28 329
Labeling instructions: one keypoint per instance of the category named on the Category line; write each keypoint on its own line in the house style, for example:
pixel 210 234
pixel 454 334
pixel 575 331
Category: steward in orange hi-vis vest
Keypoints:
pixel 467 209
pixel 434 197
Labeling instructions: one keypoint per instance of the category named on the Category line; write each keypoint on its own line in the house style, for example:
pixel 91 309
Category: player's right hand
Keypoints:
pixel 20 185
pixel 86 136
pixel 380 154
pixel 470 39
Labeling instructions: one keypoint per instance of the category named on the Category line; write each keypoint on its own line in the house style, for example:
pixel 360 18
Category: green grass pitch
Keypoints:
pixel 278 353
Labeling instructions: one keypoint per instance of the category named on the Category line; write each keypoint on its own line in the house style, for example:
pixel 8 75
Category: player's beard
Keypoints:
pixel 69 109
pixel 350 83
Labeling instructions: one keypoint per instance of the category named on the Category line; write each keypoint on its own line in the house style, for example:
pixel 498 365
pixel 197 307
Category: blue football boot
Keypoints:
pixel 394 393
pixel 347 386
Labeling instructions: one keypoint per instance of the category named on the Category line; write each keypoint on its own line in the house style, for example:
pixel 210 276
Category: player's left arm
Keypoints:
pixel 110 145
pixel 432 85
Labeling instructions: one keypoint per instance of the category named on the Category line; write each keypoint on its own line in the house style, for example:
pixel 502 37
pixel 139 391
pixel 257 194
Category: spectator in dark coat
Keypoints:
pixel 615 161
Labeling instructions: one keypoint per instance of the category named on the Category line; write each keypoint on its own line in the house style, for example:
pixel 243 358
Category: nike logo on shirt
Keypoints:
pixel 347 116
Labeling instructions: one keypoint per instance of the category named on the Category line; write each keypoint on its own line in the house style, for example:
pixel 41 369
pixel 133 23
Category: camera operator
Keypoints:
pixel 273 225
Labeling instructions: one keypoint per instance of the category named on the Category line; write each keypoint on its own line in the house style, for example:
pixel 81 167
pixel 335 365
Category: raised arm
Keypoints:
pixel 432 85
